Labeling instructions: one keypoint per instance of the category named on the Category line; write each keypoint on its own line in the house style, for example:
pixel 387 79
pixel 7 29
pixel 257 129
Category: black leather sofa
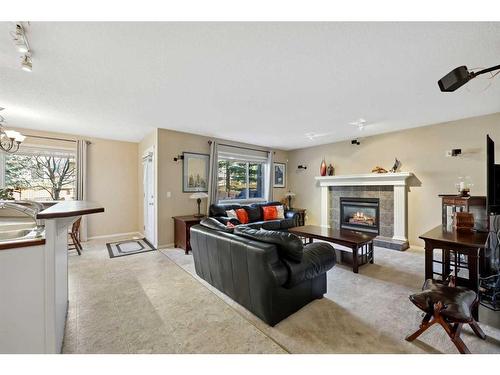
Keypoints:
pixel 255 215
pixel 270 273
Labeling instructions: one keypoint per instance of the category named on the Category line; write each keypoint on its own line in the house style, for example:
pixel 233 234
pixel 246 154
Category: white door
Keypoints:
pixel 149 198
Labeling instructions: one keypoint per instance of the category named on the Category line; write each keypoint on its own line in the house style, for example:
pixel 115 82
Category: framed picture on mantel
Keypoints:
pixel 279 175
pixel 195 169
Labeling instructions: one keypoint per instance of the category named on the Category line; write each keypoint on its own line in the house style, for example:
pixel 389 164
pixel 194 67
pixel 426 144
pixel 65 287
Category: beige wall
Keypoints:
pixel 421 150
pixel 171 144
pixel 112 180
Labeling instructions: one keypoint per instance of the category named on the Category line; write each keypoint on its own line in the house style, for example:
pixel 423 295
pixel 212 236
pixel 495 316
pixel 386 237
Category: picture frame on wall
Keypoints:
pixel 279 175
pixel 195 170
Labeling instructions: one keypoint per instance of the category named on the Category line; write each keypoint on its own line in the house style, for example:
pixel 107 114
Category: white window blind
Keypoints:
pixel 242 154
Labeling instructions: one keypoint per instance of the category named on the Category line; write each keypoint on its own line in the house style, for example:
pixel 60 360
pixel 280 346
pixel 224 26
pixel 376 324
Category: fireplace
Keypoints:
pixel 360 214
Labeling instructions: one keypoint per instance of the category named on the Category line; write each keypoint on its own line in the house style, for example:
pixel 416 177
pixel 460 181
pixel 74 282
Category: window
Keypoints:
pixel 40 174
pixel 243 174
pixel 240 180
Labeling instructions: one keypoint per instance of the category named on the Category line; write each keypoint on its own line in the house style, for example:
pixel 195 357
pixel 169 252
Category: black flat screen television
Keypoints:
pixel 492 179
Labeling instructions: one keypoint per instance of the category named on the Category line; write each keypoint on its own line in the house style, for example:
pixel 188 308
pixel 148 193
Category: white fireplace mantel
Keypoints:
pixel 398 180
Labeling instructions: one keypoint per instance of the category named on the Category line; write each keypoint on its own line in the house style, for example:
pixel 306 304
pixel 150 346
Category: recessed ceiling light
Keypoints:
pixel 360 123
pixel 311 136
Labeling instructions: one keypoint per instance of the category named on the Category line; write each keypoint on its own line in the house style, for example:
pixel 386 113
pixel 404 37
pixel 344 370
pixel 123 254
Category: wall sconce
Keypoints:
pixel 301 166
pixel 179 157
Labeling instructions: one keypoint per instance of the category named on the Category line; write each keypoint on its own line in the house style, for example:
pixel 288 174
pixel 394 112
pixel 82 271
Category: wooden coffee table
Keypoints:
pixel 360 243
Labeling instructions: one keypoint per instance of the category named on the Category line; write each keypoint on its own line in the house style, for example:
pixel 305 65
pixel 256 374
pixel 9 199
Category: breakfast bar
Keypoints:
pixel 34 282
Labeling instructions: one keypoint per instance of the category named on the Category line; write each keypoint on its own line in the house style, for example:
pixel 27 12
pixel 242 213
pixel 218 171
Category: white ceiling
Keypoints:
pixel 262 83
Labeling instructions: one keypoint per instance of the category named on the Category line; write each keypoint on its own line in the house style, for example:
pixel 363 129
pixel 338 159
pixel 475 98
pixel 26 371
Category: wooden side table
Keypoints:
pixel 459 250
pixel 182 226
pixel 301 216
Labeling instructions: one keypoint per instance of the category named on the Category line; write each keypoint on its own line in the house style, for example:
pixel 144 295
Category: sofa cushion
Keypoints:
pixel 289 245
pixel 254 213
pixel 211 223
pixel 318 258
pixel 271 225
pixel 281 212
pixel 242 215
pixel 269 213
pixel 287 223
pixel 224 220
pixel 220 209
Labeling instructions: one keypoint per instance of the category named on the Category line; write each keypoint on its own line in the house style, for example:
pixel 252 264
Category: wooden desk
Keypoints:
pixel 460 250
pixel 355 241
pixel 182 226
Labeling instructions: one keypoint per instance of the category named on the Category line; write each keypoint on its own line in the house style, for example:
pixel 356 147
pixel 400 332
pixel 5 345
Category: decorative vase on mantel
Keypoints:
pixel 322 168
pixel 330 170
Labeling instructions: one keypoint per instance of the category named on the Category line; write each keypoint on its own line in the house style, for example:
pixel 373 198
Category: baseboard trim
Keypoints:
pixel 168 245
pixel 115 235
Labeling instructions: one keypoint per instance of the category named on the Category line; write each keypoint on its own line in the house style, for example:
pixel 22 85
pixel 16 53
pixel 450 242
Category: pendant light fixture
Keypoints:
pixel 10 140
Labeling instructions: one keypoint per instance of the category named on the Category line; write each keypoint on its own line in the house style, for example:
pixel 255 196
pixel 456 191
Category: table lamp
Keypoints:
pixel 289 195
pixel 198 196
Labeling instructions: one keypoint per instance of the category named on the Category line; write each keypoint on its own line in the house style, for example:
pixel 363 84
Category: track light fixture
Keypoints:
pixel 23 46
pixel 27 63
pixel 20 39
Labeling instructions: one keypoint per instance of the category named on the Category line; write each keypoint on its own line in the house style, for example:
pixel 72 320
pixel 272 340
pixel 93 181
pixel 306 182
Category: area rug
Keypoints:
pixel 128 247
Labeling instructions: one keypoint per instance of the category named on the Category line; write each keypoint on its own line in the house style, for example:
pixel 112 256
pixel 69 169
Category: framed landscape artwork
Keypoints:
pixel 195 172
pixel 279 175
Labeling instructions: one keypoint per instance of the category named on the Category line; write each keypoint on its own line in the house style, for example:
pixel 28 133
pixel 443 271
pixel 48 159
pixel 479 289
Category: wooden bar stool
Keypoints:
pixel 449 306
pixel 74 237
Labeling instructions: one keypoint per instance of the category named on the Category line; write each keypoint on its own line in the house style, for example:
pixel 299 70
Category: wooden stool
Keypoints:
pixel 449 306
pixel 74 234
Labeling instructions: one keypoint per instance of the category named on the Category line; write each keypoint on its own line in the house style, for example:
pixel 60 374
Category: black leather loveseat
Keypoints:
pixel 255 215
pixel 270 273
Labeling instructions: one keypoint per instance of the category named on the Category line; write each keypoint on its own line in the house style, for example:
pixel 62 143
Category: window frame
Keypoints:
pixel 31 149
pixel 247 189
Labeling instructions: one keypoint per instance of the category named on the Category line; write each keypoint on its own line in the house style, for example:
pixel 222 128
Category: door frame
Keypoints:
pixel 147 152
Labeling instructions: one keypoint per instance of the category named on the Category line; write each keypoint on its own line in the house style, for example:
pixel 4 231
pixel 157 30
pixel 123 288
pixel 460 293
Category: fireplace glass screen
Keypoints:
pixel 359 214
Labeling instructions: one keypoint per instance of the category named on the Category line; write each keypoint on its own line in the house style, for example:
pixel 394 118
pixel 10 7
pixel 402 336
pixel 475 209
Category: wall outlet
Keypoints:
pixel 169 194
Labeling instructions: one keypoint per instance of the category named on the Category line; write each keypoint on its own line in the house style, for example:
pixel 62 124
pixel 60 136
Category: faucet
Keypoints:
pixel 32 211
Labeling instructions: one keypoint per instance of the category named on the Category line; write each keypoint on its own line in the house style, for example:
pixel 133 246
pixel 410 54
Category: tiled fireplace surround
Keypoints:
pixel 385 194
pixel 389 188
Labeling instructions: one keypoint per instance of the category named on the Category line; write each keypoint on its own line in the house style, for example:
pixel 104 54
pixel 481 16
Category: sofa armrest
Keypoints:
pixel 318 258
pixel 291 215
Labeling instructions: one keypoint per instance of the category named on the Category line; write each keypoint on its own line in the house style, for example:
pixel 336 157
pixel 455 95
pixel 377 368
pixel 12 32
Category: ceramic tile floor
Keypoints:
pixel 145 303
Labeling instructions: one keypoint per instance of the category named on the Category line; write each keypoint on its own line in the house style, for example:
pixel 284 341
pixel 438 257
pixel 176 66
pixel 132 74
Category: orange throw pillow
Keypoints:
pixel 270 212
pixel 242 215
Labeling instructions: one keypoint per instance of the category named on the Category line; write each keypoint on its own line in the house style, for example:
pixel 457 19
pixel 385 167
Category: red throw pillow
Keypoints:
pixel 242 215
pixel 270 212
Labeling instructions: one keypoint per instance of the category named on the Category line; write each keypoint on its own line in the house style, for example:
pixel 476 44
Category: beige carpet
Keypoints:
pixel 364 313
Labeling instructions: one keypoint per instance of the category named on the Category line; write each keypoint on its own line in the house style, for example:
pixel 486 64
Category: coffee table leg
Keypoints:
pixel 372 253
pixel 355 259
